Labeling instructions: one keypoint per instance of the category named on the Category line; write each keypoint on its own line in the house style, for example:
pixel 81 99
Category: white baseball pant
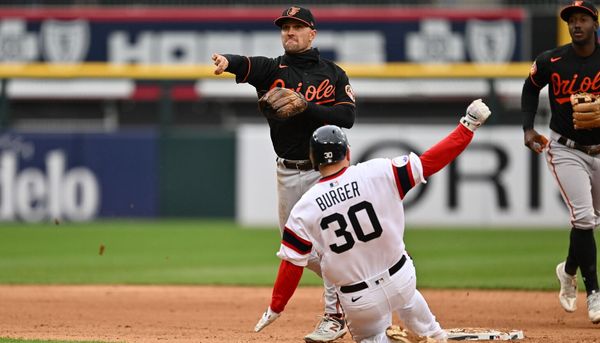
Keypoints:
pixel 369 311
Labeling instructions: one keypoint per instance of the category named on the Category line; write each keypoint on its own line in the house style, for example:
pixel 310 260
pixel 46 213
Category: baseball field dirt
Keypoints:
pixel 228 314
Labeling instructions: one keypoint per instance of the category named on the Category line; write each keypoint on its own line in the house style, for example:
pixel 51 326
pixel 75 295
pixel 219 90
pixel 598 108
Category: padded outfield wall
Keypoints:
pixel 131 174
pixel 43 177
pixel 495 182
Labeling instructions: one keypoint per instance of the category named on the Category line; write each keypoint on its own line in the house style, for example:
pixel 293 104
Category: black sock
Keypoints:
pixel 584 249
pixel 571 264
pixel 337 315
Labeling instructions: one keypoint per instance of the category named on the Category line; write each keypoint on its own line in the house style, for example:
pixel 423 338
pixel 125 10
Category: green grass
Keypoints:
pixel 137 252
pixel 493 259
pixel 219 252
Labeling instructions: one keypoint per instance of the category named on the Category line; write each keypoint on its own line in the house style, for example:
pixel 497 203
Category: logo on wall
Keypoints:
pixel 65 41
pixel 490 41
pixel 57 41
pixel 16 44
pixel 49 191
pixel 435 42
pixel 484 41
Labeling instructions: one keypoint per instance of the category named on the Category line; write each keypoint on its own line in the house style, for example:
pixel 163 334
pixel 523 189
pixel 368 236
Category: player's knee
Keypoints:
pixel 586 219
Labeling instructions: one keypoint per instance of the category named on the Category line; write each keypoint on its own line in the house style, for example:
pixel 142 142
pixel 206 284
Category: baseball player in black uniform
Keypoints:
pixel 573 154
pixel 330 100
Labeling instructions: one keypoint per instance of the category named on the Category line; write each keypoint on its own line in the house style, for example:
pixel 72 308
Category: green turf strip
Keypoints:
pixel 221 253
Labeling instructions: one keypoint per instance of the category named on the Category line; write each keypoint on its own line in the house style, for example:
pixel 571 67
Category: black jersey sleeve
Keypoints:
pixel 261 71
pixel 343 111
pixel 530 98
pixel 253 70
pixel 238 66
pixel 340 115
pixel 530 95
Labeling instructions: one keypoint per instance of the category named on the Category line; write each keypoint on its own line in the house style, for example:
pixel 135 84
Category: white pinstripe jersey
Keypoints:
pixel 354 220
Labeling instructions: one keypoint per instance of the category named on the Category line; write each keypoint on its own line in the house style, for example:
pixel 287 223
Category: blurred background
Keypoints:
pixel 110 109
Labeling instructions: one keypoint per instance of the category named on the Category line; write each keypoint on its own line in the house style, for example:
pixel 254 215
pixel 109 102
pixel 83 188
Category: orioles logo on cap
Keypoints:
pixel 293 10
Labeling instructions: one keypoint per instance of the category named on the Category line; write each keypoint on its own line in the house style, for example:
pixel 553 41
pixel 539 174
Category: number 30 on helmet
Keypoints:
pixel 328 144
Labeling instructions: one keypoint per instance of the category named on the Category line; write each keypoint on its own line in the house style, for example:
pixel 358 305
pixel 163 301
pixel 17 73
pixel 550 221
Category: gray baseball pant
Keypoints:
pixel 291 185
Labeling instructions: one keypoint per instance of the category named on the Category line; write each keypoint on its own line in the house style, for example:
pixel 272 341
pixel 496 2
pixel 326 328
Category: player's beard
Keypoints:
pixel 293 46
pixel 585 39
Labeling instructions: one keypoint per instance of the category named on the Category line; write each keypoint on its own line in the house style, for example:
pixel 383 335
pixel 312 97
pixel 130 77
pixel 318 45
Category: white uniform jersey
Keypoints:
pixel 354 220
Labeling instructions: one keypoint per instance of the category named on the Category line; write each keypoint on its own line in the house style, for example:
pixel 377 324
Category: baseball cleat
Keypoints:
pixel 328 329
pixel 568 288
pixel 593 303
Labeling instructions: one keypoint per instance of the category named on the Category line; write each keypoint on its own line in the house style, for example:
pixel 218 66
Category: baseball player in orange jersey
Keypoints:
pixel 353 219
pixel 573 154
pixel 327 91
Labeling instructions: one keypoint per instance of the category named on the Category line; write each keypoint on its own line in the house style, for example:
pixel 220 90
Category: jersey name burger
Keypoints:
pixel 567 87
pixel 337 195
pixel 323 93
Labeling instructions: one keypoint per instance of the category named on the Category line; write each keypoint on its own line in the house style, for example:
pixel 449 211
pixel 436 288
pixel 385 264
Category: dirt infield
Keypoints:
pixel 228 314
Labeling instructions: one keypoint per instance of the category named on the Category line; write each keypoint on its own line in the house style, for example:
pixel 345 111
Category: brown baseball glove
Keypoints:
pixel 398 334
pixel 586 111
pixel 281 103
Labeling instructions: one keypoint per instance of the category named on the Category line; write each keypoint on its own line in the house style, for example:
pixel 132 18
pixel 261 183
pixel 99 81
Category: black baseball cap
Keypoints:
pixel 297 13
pixel 579 6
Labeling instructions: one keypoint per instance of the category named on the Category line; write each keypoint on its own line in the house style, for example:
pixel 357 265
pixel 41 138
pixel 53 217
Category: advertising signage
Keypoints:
pixel 190 36
pixel 77 177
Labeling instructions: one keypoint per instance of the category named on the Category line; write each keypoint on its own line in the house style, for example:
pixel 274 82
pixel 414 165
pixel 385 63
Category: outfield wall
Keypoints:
pixel 131 174
pixel 136 174
pixel 495 182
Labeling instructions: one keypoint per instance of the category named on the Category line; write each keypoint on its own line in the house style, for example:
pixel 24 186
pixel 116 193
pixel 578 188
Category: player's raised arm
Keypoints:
pixel 445 151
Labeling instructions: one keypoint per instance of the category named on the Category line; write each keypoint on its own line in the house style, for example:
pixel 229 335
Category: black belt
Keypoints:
pixel 362 285
pixel 300 165
pixel 588 149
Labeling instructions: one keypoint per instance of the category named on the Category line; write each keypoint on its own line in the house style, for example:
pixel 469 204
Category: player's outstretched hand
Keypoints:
pixel 477 114
pixel 267 318
pixel 221 63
